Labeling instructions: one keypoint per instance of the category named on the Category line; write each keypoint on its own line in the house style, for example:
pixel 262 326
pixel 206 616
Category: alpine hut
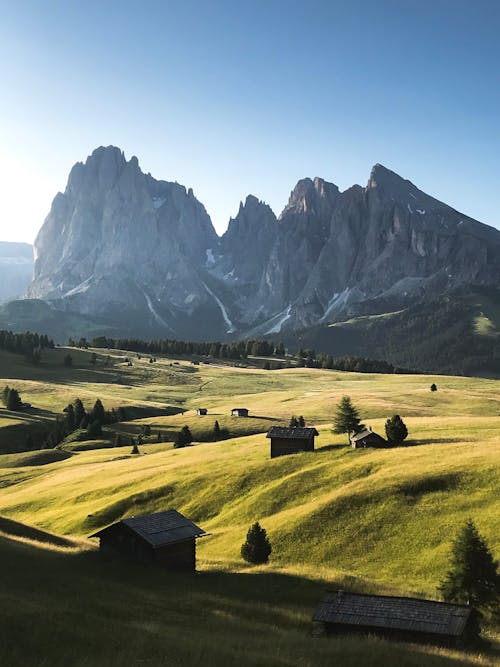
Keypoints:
pixel 397 617
pixel 367 438
pixel 165 538
pixel 202 411
pixel 239 412
pixel 291 439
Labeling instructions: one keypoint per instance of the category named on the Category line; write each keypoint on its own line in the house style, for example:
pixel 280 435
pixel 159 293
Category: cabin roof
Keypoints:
pixel 233 409
pixel 363 434
pixel 291 432
pixel 160 528
pixel 395 613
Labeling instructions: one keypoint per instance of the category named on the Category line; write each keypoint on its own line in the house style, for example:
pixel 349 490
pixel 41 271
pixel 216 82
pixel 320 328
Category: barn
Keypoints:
pixel 202 411
pixel 239 412
pixel 397 617
pixel 167 539
pixel 367 438
pixel 291 439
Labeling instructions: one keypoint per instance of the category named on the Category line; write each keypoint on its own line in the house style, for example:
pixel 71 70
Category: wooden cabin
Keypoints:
pixel 396 617
pixel 239 412
pixel 167 539
pixel 202 411
pixel 367 438
pixel 291 439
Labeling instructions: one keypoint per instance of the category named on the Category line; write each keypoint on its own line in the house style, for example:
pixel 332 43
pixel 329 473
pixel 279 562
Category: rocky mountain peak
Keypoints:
pixel 307 196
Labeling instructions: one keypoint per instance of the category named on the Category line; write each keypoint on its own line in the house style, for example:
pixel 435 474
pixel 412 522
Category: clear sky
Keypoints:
pixel 237 97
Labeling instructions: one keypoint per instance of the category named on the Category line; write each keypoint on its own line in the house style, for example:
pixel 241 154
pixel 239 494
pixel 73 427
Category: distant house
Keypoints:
pixel 202 411
pixel 290 440
pixel 367 438
pixel 239 412
pixel 165 538
pixel 397 617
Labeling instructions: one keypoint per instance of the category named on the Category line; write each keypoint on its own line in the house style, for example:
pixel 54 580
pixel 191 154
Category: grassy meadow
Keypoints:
pixel 368 520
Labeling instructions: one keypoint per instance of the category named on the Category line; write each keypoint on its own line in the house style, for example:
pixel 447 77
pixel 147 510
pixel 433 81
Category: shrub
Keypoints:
pixel 395 430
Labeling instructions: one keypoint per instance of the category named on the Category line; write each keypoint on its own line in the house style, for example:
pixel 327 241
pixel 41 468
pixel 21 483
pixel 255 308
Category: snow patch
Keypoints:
pixel 338 300
pixel 210 257
pixel 158 201
pixel 409 208
pixel 421 211
pixel 231 327
pixel 153 312
pixel 277 327
pixel 79 289
pixel 190 298
pixel 229 275
pixel 412 195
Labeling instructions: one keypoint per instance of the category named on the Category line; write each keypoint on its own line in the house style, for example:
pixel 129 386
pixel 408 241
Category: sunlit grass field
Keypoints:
pixel 379 520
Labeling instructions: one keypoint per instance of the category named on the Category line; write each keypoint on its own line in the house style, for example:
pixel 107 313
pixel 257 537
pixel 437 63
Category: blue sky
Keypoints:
pixel 232 98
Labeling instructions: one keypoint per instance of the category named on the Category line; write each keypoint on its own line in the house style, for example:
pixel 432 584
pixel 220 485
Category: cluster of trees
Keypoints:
pixel 183 438
pixel 12 399
pixel 29 344
pixel 347 420
pixel 297 421
pixel 309 359
pixel 172 347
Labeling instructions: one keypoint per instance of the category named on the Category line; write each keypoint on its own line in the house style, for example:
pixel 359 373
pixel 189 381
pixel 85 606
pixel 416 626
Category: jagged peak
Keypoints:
pixel 307 191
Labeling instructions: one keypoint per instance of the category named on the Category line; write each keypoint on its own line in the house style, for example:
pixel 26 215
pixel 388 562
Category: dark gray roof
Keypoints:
pixel 160 528
pixel 396 613
pixel 364 434
pixel 291 432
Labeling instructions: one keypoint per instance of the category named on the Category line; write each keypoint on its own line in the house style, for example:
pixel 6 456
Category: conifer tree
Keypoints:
pixel 473 576
pixel 68 361
pixel 135 449
pixel 346 419
pixel 395 430
pixel 14 401
pixel 70 418
pixel 294 422
pixel 79 412
pixel 118 440
pixel 302 421
pixel 159 437
pixel 257 548
pixel 434 387
pixel 94 429
pixel 98 412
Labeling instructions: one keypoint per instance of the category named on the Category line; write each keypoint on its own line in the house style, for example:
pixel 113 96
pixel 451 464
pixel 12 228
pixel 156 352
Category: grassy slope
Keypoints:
pixel 376 519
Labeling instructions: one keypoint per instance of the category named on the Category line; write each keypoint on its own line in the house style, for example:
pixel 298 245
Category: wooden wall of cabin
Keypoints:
pixel 284 446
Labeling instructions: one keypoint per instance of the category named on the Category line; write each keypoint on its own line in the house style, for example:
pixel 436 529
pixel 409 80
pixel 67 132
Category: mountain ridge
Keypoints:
pixel 142 254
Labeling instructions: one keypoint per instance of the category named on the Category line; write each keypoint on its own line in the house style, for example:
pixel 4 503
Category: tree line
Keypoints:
pixel 27 343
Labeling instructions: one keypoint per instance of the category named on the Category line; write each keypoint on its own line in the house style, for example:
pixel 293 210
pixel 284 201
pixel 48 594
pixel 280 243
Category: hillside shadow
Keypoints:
pixel 331 448
pixel 15 529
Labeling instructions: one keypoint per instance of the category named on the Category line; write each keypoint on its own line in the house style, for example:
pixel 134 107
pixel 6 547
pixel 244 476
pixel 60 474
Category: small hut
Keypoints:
pixel 367 438
pixel 291 439
pixel 239 412
pixel 165 538
pixel 395 617
pixel 202 411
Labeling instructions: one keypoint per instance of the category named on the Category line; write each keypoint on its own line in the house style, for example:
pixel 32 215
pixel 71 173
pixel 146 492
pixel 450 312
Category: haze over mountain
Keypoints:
pixel 142 256
pixel 16 269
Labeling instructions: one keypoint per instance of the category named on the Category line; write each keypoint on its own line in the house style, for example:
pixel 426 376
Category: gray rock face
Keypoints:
pixel 16 269
pixel 143 253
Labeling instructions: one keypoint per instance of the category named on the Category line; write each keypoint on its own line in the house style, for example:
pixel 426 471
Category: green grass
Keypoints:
pixel 379 520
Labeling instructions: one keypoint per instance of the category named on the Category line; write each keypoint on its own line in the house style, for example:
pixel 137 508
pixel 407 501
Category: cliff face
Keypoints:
pixel 143 254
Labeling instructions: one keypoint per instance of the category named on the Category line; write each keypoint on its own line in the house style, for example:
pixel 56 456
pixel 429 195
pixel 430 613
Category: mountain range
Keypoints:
pixel 135 256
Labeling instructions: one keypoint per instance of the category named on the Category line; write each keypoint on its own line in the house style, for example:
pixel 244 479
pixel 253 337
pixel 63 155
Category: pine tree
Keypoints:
pixel 302 421
pixel 135 449
pixel 14 401
pixel 79 412
pixel 473 575
pixel 159 437
pixel 395 430
pixel 183 437
pixel 257 548
pixel 434 387
pixel 216 435
pixel 118 440
pixel 294 422
pixel 68 361
pixel 346 419
pixel 70 418
pixel 98 412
